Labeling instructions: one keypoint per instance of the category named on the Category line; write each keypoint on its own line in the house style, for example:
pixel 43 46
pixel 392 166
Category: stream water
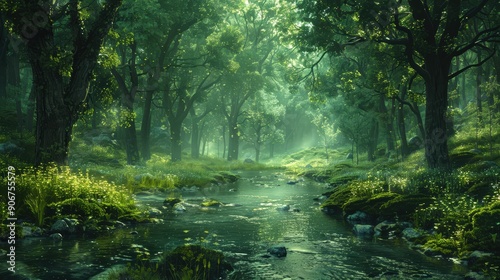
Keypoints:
pixel 319 246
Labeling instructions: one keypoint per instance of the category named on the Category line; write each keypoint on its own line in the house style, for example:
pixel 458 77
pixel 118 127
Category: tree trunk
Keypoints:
pixel 146 126
pixel 373 141
pixel 402 125
pixel 30 111
pixel 195 139
pixel 176 142
pixel 234 140
pixel 4 44
pixel 223 141
pixel 436 88
pixel 479 102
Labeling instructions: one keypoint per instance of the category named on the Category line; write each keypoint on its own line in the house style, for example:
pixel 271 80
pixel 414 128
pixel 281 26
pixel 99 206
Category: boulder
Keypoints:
pixel 178 207
pixel 359 218
pixel 385 229
pixel 363 230
pixel 171 201
pixel 154 212
pixel 248 160
pixel 411 233
pixel 28 231
pixel 283 208
pixel 64 225
pixel 293 182
pixel 56 236
pixel 277 251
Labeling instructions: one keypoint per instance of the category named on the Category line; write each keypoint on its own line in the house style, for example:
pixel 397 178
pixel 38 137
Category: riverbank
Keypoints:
pixel 451 214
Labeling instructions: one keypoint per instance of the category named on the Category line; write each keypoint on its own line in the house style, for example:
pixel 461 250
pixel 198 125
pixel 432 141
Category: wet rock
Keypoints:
pixel 292 182
pixel 64 225
pixel 283 208
pixel 134 232
pixel 320 198
pixel 178 207
pixel 28 231
pixel 411 233
pixel 170 201
pixel 359 218
pixel 154 212
pixel 277 251
pixel 363 230
pixel 211 203
pixel 56 236
pixel 385 229
pixel 248 160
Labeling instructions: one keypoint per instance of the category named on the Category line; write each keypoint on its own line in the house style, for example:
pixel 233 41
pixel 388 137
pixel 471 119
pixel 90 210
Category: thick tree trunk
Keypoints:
pixel 146 126
pixel 373 141
pixel 436 87
pixel 175 139
pixel 195 139
pixel 131 143
pixel 479 103
pixel 30 111
pixel 234 140
pixel 402 126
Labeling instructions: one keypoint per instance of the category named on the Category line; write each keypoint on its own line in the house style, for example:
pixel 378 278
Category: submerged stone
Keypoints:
pixel 277 251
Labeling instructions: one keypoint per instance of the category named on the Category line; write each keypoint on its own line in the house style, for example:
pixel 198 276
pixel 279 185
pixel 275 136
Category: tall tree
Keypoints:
pixel 61 71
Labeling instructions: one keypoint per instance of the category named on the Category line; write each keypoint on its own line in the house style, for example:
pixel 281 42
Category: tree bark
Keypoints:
pixel 175 139
pixel 234 140
pixel 146 126
pixel 436 87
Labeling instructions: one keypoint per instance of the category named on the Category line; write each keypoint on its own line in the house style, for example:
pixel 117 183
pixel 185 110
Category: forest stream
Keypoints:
pixel 319 246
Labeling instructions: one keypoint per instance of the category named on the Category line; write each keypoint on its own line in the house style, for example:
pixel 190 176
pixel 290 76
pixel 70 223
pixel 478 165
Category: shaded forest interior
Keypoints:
pixel 394 95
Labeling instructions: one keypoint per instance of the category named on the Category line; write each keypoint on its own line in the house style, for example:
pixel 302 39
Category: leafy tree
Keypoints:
pixel 430 33
pixel 63 44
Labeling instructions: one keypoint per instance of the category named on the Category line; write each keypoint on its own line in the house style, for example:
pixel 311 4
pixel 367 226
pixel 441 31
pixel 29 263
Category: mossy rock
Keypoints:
pixel 195 262
pixel 75 207
pixel 211 203
pixel 224 177
pixel 463 158
pixel 404 205
pixel 135 217
pixel 480 190
pixel 171 201
pixel 336 201
pixel 342 180
pixel 371 205
pixel 442 246
pixel 115 211
pixel 483 231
